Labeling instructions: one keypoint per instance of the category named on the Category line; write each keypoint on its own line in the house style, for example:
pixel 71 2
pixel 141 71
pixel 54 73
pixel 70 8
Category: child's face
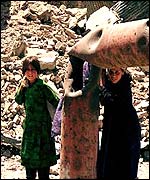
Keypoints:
pixel 115 74
pixel 31 74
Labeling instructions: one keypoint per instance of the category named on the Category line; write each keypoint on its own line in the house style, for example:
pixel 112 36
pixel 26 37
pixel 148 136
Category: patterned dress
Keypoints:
pixel 38 148
pixel 56 126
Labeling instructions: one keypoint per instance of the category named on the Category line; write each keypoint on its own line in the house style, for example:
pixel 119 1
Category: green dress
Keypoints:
pixel 38 148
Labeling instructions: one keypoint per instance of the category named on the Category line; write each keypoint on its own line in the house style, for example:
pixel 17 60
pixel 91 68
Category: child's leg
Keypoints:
pixel 30 173
pixel 43 173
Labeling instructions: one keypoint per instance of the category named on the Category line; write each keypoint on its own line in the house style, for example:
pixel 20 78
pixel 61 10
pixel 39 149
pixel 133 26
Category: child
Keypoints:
pixel 120 144
pixel 38 148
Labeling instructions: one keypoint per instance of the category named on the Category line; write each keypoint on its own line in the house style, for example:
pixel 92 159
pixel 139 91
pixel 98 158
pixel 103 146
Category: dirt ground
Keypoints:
pixel 12 169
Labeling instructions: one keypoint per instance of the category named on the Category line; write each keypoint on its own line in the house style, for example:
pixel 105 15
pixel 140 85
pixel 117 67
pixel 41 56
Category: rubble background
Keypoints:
pixel 48 30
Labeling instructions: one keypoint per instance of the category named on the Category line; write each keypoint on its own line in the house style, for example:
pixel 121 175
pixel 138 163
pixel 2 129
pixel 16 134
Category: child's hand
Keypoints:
pixel 24 83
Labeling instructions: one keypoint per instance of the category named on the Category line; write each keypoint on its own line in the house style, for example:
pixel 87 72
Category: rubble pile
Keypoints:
pixel 35 28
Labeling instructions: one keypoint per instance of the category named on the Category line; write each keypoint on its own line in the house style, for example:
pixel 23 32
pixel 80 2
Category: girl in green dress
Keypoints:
pixel 38 151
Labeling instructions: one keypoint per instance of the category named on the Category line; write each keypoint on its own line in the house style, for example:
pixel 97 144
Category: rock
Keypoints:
pixel 34 51
pixel 48 60
pixel 100 17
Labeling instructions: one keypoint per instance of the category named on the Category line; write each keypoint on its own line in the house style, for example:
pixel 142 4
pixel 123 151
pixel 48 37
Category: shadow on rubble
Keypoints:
pixel 5 13
pixel 145 153
pixel 9 146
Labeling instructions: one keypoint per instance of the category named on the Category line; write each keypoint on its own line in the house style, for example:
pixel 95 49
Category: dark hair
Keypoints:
pixel 85 32
pixel 33 60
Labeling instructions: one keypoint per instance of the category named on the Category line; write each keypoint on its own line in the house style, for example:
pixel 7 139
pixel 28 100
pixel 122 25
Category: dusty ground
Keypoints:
pixel 11 169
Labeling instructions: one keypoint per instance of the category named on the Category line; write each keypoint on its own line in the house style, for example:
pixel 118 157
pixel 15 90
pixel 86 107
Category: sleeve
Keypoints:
pixel 51 96
pixel 20 96
pixel 105 96
pixel 56 123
